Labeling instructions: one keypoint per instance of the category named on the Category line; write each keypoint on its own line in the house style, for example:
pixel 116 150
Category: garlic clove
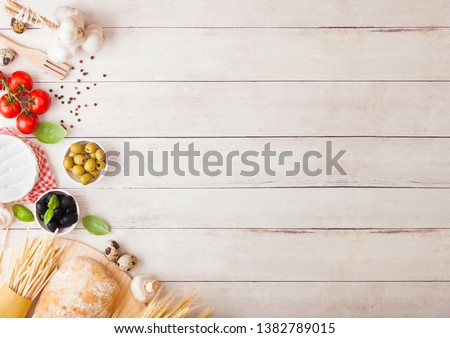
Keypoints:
pixel 6 216
pixel 94 39
pixel 69 33
pixel 59 53
pixel 64 12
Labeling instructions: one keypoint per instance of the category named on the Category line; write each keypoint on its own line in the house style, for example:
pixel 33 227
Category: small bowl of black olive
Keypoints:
pixel 57 209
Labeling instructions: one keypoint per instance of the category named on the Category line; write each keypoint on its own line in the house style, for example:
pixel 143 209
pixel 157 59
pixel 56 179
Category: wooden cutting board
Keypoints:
pixel 127 305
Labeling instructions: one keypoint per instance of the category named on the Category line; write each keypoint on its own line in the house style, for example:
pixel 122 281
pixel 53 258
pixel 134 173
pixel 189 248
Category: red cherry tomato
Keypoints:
pixel 9 108
pixel 20 79
pixel 39 101
pixel 27 124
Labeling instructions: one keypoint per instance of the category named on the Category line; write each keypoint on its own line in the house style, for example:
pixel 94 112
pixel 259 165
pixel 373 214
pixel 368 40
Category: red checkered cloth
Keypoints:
pixel 46 179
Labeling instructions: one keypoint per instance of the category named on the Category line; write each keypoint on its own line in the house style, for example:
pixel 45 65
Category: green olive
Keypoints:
pixel 100 165
pixel 91 148
pixel 95 174
pixel 92 156
pixel 85 179
pixel 99 154
pixel 76 148
pixel 78 170
pixel 90 165
pixel 71 154
pixel 79 159
pixel 68 162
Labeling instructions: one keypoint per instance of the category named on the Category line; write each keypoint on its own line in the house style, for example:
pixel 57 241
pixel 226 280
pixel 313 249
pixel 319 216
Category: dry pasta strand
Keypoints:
pixel 31 268
pixel 28 15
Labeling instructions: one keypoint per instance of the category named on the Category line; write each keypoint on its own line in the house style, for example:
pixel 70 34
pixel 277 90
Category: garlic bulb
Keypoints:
pixel 6 216
pixel 94 39
pixel 72 34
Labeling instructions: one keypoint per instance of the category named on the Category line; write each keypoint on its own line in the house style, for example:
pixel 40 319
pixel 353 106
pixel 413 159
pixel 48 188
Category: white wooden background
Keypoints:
pixel 372 76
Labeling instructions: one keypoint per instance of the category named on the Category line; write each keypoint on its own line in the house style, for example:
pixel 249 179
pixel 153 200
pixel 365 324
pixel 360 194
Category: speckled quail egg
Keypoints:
pixel 126 262
pixel 6 56
pixel 112 251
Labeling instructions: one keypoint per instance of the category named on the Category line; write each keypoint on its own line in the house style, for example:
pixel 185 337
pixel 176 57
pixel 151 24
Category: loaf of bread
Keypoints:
pixel 82 288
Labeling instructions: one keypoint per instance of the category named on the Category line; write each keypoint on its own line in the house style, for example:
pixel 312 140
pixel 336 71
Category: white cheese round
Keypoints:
pixel 19 169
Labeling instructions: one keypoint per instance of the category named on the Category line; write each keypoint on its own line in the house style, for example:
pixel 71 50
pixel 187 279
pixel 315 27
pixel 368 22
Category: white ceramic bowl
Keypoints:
pixel 62 231
pixel 75 178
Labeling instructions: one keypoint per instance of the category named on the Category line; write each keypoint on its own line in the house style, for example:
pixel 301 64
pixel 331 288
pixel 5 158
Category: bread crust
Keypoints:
pixel 82 288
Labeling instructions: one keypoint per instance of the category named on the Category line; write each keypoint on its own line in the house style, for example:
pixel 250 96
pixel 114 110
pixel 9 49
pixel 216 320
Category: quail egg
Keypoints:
pixel 6 56
pixel 112 251
pixel 126 262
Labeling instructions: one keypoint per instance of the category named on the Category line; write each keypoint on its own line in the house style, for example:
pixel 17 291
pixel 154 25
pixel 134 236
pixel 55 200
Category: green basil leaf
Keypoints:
pixel 50 132
pixel 48 215
pixel 53 203
pixel 22 213
pixel 95 225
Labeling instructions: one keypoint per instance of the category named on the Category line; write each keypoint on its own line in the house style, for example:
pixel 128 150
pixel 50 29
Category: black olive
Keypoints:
pixel 66 202
pixel 59 212
pixel 60 196
pixel 47 197
pixel 41 217
pixel 69 220
pixel 72 210
pixel 53 225
pixel 41 206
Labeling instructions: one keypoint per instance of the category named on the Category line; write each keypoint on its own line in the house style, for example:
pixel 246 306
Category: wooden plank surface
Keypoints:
pixel 257 109
pixel 278 255
pixel 296 74
pixel 243 55
pixel 323 208
pixel 374 162
pixel 134 54
pixel 319 299
pixel 258 13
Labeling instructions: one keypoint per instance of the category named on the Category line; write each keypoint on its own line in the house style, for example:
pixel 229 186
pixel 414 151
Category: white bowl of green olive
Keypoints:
pixel 85 162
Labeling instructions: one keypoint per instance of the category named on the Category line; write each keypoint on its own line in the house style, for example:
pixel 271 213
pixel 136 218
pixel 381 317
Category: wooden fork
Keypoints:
pixel 37 58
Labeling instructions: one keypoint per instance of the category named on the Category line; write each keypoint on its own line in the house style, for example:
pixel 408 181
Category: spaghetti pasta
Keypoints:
pixel 29 272
pixel 26 14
